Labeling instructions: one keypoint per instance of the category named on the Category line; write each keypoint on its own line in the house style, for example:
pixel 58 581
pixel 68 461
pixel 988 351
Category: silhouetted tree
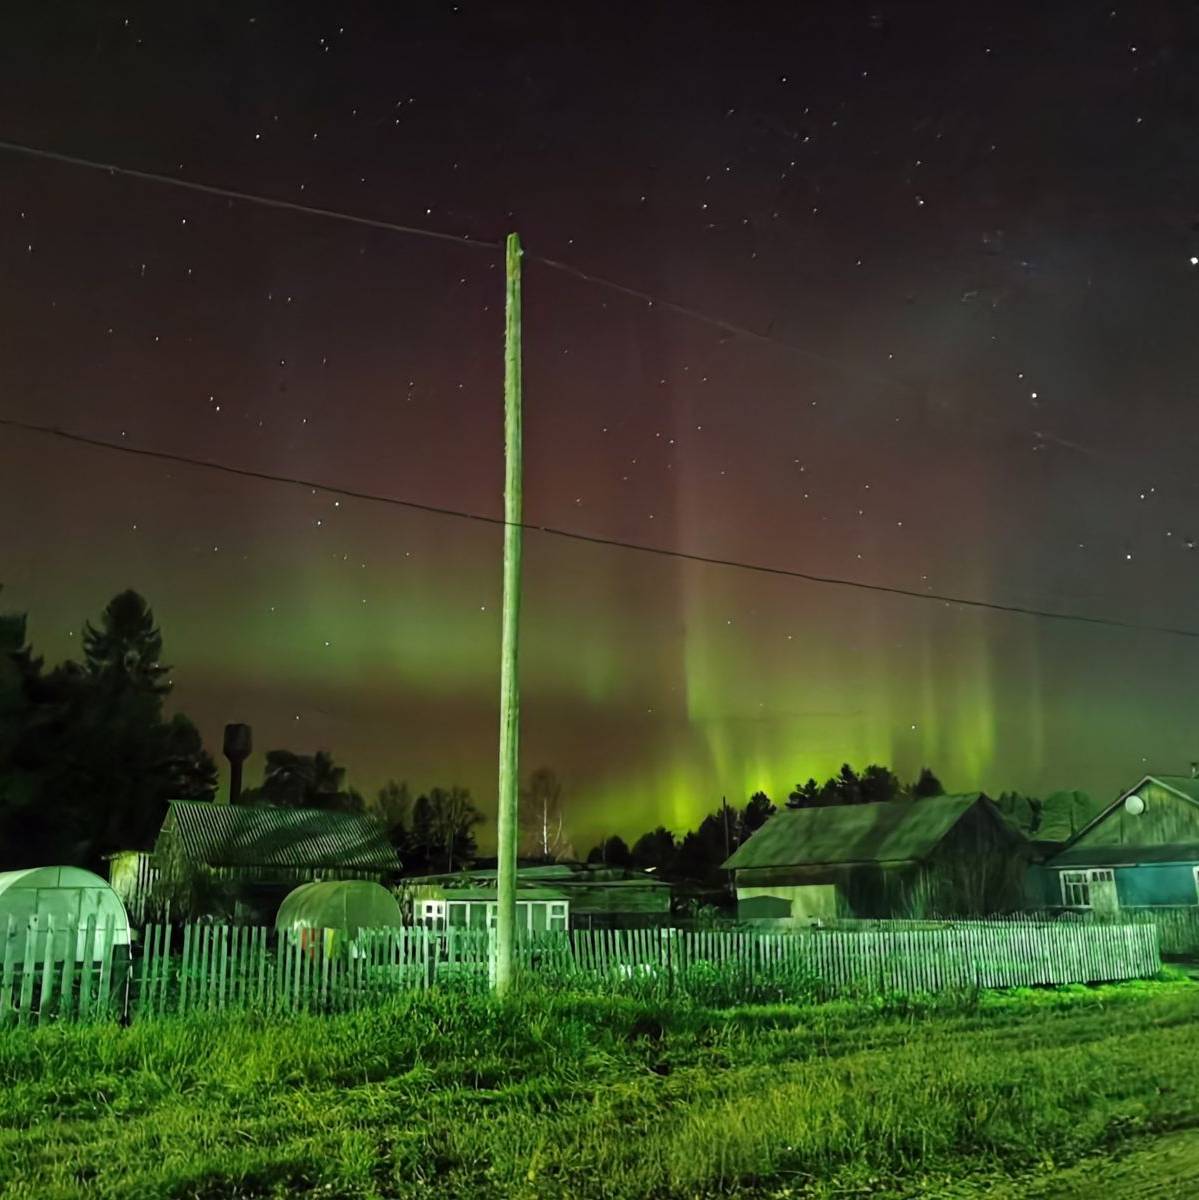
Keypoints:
pixel 655 850
pixel 702 850
pixel 393 808
pixel 87 760
pixel 806 795
pixel 293 780
pixel 442 837
pixel 926 785
pixel 612 852
pixel 754 815
pixel 877 785
pixel 127 646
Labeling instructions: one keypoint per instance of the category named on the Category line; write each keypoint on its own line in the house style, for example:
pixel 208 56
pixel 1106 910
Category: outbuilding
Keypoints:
pixel 940 855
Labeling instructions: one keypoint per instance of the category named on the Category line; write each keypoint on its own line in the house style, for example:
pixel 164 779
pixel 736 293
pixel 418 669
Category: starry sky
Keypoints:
pixel 961 242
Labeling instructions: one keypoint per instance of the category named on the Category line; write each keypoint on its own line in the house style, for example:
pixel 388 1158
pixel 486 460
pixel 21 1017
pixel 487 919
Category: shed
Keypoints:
pixel 67 896
pixel 1142 850
pixel 942 854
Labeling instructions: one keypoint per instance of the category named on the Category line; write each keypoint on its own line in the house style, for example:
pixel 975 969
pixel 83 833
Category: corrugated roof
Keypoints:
pixel 237 835
pixel 853 833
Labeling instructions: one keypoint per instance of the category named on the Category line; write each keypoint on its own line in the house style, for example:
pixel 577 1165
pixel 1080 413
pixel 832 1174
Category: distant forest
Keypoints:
pixel 88 761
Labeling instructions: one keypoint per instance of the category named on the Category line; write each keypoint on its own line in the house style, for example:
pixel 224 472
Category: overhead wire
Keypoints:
pixel 726 326
pixel 595 539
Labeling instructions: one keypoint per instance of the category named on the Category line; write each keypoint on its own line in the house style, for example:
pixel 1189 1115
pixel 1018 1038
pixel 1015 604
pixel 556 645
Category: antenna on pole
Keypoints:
pixel 505 924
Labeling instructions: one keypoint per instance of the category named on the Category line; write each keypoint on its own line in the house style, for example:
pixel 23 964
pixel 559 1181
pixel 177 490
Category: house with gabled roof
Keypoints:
pixel 1142 850
pixel 938 855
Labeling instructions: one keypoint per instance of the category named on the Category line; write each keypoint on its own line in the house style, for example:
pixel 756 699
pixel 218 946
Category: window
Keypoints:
pixel 455 914
pixel 557 915
pixel 432 913
pixel 1077 886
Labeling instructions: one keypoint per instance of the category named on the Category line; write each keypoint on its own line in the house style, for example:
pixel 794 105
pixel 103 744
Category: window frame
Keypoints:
pixel 1083 878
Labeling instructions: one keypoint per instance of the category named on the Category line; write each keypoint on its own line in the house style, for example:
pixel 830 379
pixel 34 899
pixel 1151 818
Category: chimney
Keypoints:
pixel 237 750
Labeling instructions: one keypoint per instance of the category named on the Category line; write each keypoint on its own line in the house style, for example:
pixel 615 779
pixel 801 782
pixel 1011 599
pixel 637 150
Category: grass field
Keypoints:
pixel 441 1095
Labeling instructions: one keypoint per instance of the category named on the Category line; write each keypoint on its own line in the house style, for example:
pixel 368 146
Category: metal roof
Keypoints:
pixel 893 832
pixel 246 835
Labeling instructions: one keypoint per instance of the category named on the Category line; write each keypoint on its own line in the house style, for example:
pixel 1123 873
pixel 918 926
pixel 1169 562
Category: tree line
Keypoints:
pixel 88 761
pixel 697 855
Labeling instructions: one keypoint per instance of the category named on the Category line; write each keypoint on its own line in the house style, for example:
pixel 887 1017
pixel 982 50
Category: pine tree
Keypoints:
pixel 127 647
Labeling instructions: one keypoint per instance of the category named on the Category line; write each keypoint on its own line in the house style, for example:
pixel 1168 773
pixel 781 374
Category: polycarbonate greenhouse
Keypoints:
pixel 62 898
pixel 343 905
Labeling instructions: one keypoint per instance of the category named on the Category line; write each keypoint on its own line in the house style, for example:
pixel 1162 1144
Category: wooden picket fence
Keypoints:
pixel 208 968
pixel 63 972
pixel 1177 925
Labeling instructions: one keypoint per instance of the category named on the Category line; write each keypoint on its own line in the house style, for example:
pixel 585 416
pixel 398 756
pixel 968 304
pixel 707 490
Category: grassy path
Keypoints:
pixel 616 1099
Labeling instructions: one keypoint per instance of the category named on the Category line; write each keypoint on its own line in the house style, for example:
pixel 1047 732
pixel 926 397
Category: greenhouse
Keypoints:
pixel 344 905
pixel 61 898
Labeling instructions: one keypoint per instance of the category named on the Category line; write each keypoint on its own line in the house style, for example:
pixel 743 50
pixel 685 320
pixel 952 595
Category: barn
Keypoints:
pixel 939 855
pixel 1142 850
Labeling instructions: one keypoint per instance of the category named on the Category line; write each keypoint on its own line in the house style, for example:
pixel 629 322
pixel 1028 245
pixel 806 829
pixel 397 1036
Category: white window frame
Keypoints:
pixel 432 910
pixel 1195 872
pixel 1076 885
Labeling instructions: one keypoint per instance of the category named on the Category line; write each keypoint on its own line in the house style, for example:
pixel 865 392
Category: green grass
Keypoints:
pixel 445 1095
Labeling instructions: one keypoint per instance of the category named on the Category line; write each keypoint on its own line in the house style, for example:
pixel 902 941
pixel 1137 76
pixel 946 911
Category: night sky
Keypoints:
pixel 964 233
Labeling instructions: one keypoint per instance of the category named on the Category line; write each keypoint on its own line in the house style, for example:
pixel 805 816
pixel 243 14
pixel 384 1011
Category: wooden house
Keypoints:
pixel 595 896
pixel 1142 850
pixel 940 855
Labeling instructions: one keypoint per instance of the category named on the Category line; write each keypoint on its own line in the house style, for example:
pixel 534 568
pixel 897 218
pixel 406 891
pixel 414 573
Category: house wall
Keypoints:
pixel 1167 820
pixel 1042 887
pixel 1157 883
pixel 1142 885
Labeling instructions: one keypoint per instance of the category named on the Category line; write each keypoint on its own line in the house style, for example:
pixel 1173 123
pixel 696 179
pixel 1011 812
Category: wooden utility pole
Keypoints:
pixel 509 773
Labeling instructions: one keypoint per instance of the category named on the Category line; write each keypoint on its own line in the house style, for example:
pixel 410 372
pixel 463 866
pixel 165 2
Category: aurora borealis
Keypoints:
pixel 965 237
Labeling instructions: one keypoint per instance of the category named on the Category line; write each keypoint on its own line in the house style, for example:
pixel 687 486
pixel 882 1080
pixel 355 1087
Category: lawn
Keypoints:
pixel 568 1095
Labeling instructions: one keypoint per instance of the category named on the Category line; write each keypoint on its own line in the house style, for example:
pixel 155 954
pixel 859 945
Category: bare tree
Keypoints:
pixel 542 817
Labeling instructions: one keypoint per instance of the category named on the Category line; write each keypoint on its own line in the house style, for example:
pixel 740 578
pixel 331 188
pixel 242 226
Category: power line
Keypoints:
pixel 593 539
pixel 725 326
pixel 249 197
pixel 695 314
